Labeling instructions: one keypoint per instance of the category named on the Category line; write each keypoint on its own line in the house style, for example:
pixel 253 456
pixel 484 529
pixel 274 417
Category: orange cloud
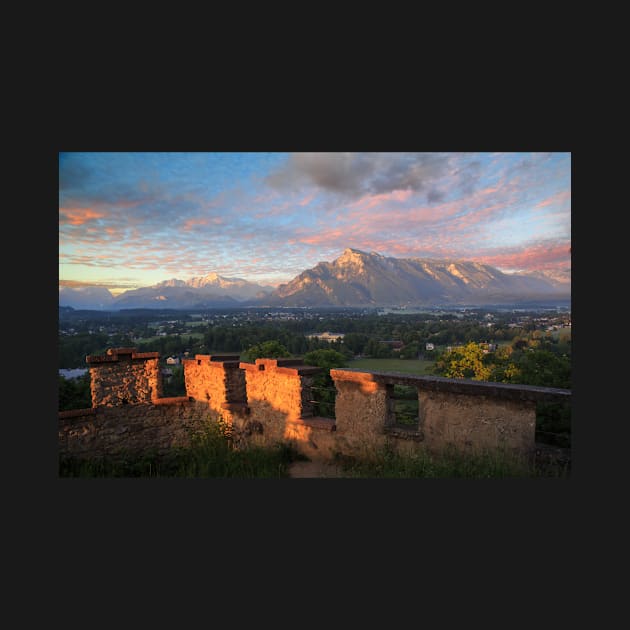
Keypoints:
pixel 191 223
pixel 79 216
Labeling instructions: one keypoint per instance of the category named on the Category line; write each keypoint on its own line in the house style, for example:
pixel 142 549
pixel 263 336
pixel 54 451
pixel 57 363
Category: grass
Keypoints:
pixel 452 465
pixel 211 455
pixel 408 366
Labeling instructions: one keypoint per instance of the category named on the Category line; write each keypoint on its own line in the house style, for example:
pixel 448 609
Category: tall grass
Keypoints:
pixel 450 465
pixel 210 455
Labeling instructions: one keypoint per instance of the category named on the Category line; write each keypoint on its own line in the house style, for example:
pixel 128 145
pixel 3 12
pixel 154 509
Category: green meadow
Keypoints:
pixel 408 366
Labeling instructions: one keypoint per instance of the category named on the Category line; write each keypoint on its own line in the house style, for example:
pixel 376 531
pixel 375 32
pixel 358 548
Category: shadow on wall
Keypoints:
pixel 270 401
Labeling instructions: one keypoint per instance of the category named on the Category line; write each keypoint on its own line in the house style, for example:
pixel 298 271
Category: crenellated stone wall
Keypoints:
pixel 271 401
pixel 218 381
pixel 279 398
pixel 124 376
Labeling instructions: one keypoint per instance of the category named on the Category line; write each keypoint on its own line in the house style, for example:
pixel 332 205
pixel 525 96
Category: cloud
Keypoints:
pixel 108 284
pixel 370 201
pixel 533 257
pixel 165 217
pixel 79 216
pixel 198 221
pixel 355 174
pixel 435 195
pixel 559 198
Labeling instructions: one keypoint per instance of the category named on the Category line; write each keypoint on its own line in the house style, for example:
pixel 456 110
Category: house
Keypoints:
pixel 429 346
pixel 172 361
pixel 327 336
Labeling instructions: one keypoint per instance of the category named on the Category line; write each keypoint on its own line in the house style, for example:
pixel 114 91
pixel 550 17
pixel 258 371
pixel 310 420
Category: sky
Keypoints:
pixel 130 220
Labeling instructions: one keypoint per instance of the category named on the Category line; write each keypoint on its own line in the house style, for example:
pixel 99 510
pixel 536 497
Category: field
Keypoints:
pixel 194 335
pixel 408 366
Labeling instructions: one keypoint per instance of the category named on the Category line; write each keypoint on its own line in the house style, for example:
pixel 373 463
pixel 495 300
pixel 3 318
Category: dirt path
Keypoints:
pixel 313 470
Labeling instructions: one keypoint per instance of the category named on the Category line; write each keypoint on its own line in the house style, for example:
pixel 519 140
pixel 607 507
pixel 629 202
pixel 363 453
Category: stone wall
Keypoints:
pixel 218 381
pixel 270 402
pixel 361 412
pixel 124 376
pixel 279 399
pixel 108 430
pixel 462 414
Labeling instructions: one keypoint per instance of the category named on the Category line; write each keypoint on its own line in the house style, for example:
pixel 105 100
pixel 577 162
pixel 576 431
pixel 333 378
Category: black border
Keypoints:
pixel 324 512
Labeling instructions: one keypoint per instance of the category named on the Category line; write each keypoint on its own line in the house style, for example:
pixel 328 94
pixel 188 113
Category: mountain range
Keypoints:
pixel 355 278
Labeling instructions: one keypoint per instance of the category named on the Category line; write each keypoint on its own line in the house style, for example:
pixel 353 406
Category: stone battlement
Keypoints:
pixel 271 401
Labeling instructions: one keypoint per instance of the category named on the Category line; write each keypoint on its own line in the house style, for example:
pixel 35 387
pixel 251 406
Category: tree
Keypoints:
pixel 410 351
pixel 465 362
pixel 175 386
pixel 544 368
pixel 74 393
pixel 327 359
pixel 267 350
pixel 355 342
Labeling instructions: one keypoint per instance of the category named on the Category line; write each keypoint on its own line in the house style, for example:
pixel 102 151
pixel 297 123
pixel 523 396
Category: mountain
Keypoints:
pixel 559 278
pixel 166 296
pixel 92 298
pixel 210 291
pixel 357 278
pixel 234 287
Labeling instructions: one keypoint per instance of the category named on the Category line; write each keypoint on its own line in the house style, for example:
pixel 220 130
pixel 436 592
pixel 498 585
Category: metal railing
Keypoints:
pixel 404 405
pixel 323 401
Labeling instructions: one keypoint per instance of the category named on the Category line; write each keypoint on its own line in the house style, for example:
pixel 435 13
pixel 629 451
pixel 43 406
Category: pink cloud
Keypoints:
pixel 323 237
pixel 370 201
pixel 560 197
pixel 535 257
pixel 79 216
pixel 191 223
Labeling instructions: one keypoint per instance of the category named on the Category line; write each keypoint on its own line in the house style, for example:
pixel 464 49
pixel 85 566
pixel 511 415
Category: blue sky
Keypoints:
pixel 128 220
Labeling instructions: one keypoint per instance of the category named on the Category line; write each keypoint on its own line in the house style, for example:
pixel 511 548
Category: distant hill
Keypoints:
pixel 210 291
pixel 92 298
pixel 172 297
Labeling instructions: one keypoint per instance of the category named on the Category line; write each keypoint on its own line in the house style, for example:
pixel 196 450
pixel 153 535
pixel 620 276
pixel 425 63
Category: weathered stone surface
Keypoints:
pixel 124 377
pixel 268 401
pixel 475 423
pixel 108 430
pixel 218 381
